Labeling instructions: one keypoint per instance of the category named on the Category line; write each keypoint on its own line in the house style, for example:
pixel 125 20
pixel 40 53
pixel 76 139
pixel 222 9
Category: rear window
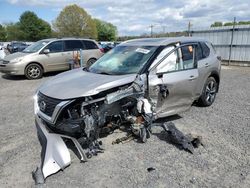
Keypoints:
pixel 90 45
pixel 205 50
pixel 71 45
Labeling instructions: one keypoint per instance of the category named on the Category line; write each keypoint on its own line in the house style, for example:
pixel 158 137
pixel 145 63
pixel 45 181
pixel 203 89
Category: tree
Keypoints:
pixel 2 33
pixel 217 24
pixel 74 21
pixel 32 27
pixel 105 31
pixel 243 23
pixel 228 24
pixel 13 32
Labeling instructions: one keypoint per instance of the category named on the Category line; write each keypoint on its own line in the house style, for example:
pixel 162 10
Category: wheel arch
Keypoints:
pixel 34 62
pixel 216 76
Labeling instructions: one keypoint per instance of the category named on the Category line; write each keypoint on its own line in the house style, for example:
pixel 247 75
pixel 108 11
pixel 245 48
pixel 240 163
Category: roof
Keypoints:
pixel 66 38
pixel 161 41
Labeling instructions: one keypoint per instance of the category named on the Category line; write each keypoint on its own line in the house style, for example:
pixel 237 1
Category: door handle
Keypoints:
pixel 192 77
pixel 206 65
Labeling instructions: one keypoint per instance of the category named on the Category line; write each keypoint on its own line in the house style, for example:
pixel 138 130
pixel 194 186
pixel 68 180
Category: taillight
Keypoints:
pixel 102 50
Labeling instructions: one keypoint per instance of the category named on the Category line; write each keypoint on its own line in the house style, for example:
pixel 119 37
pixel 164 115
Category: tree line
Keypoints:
pixel 220 24
pixel 73 21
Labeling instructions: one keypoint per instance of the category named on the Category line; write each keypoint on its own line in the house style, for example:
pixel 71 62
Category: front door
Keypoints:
pixel 57 59
pixel 173 79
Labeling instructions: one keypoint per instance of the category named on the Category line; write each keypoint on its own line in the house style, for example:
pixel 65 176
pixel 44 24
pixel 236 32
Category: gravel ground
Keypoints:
pixel 224 161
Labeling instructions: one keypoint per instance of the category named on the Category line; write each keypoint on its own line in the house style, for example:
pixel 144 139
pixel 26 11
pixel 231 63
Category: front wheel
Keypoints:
pixel 33 71
pixel 209 92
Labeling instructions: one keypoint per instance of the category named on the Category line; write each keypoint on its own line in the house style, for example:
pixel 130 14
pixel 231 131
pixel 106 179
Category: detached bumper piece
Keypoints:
pixel 55 155
pixel 187 142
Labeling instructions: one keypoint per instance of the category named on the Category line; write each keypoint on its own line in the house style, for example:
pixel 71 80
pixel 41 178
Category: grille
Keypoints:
pixel 47 104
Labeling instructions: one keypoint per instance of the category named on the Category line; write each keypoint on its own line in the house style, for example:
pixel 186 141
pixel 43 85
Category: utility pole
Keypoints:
pixel 231 44
pixel 189 28
pixel 151 29
pixel 164 28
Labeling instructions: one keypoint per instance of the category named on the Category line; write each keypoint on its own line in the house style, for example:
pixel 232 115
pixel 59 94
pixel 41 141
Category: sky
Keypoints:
pixel 133 17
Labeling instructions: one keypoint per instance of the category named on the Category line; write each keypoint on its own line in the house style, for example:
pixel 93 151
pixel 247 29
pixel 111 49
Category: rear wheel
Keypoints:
pixel 33 71
pixel 209 92
pixel 90 62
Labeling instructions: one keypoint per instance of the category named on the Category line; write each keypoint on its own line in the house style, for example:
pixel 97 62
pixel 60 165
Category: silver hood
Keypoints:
pixel 14 55
pixel 79 83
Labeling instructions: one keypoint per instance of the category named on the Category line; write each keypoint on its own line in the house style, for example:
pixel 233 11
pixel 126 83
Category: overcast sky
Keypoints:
pixel 133 17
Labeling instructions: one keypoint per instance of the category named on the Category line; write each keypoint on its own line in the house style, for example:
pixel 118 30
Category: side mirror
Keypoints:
pixel 46 51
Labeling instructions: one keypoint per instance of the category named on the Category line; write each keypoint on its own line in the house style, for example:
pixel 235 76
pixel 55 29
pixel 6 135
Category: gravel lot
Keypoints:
pixel 223 162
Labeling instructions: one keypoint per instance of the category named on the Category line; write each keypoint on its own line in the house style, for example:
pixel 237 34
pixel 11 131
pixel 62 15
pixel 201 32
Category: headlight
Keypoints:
pixel 16 60
pixel 36 107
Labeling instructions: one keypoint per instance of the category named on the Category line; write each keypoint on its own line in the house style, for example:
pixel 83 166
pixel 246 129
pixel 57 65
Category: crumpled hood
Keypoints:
pixel 14 55
pixel 79 83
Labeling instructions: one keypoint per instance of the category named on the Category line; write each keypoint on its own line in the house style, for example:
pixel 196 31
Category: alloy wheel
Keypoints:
pixel 211 91
pixel 34 71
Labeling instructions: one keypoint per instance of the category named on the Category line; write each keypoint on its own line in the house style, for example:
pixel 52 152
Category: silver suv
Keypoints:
pixel 49 55
pixel 136 83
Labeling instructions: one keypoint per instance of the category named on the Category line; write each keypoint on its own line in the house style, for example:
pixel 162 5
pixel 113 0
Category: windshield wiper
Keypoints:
pixel 103 73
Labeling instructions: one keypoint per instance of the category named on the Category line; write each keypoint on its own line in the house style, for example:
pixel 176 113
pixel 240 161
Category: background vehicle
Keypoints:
pixel 16 46
pixel 107 46
pixel 2 52
pixel 49 55
pixel 134 84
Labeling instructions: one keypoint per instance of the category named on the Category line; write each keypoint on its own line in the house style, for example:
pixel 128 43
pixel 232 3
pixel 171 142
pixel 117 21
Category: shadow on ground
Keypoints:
pixel 22 77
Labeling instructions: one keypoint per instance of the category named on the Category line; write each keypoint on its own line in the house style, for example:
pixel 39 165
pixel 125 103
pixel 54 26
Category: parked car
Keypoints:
pixel 133 85
pixel 49 55
pixel 107 46
pixel 2 51
pixel 16 46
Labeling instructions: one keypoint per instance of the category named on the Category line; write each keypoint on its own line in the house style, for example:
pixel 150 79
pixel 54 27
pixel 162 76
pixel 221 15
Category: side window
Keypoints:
pixel 170 63
pixel 71 45
pixel 199 52
pixel 55 47
pixel 205 50
pixel 90 45
pixel 181 59
pixel 187 56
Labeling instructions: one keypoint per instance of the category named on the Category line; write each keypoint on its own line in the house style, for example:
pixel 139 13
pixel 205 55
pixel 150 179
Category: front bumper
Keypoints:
pixel 13 69
pixel 55 155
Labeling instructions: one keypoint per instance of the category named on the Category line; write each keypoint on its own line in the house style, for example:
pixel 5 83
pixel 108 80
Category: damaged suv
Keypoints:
pixel 136 83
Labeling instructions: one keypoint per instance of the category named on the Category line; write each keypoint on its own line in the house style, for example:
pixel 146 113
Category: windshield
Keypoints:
pixel 123 60
pixel 36 46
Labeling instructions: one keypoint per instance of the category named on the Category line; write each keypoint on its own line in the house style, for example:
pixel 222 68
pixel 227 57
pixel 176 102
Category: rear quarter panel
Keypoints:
pixel 213 67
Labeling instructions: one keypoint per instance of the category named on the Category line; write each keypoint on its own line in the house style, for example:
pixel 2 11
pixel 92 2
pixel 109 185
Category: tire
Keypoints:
pixel 90 62
pixel 209 92
pixel 33 71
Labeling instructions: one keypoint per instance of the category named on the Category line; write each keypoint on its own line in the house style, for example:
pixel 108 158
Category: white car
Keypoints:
pixel 2 52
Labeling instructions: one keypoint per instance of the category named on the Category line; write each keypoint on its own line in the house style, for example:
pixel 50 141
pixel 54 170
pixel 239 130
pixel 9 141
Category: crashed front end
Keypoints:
pixel 55 155
pixel 84 120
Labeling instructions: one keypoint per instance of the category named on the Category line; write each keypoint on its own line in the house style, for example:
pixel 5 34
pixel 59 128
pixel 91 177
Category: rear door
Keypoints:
pixel 173 79
pixel 72 49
